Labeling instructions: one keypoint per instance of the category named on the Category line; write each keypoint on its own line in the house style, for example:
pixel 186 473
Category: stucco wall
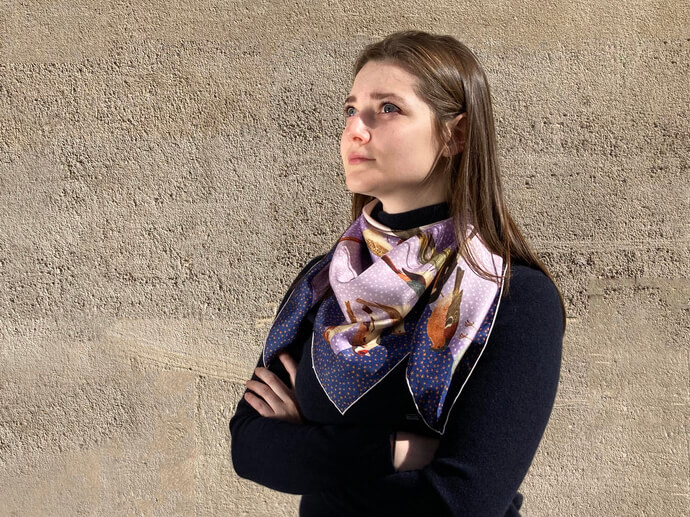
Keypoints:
pixel 166 169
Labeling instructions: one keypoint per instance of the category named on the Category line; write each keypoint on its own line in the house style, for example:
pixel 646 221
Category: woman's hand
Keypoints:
pixel 413 451
pixel 277 400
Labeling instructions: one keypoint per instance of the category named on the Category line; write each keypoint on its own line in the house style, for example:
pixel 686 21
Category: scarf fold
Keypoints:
pixel 394 294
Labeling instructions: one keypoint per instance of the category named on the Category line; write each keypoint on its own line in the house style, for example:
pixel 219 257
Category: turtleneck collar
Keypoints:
pixel 412 218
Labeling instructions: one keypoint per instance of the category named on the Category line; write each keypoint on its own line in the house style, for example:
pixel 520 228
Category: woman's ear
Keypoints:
pixel 456 142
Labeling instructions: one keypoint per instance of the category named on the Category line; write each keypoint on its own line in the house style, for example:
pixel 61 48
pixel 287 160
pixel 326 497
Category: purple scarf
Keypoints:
pixel 371 320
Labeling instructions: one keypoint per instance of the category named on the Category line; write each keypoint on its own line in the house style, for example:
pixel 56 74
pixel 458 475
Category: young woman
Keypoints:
pixel 412 369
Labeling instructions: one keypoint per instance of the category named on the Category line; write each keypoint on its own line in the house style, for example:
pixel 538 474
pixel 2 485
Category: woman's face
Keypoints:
pixel 390 125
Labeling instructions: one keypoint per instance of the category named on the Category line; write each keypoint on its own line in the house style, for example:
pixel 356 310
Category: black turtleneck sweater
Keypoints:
pixel 342 464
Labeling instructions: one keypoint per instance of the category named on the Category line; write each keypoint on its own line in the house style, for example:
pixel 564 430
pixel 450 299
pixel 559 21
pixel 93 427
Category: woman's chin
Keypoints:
pixel 357 187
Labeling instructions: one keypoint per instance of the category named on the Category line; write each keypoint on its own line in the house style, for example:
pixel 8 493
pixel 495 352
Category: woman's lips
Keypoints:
pixel 353 161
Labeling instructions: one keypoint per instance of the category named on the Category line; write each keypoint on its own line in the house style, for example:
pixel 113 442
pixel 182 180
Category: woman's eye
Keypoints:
pixel 348 108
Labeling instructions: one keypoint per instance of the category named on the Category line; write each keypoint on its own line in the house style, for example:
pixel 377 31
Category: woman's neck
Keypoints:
pixel 411 218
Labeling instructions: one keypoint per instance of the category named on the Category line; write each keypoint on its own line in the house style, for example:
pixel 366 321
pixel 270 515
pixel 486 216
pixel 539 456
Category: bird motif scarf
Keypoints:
pixel 394 294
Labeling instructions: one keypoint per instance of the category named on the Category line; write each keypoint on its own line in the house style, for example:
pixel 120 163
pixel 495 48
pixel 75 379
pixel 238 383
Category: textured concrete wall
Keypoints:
pixel 165 170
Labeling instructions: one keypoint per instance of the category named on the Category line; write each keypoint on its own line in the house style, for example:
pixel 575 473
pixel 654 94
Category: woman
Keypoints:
pixel 379 391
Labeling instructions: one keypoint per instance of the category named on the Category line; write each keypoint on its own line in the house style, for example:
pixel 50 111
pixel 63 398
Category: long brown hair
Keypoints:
pixel 451 81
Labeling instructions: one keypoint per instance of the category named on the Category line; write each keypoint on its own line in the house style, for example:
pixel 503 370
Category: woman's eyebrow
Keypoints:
pixel 378 95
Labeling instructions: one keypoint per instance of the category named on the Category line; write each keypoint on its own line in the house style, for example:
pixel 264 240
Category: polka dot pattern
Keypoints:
pixel 371 320
pixel 286 324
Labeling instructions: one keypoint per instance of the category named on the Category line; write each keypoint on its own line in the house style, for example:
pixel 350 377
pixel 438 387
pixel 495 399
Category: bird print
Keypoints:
pixel 444 319
pixel 394 315
pixel 350 313
pixel 377 243
pixel 419 282
pixel 444 272
pixel 362 341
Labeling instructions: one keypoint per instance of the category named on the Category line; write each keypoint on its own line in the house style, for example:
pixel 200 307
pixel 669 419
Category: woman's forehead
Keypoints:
pixel 377 80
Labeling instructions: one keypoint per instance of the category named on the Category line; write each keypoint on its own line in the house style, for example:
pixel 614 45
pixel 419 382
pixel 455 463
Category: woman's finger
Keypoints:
pixel 274 382
pixel 258 404
pixel 265 392
pixel 271 398
pixel 290 366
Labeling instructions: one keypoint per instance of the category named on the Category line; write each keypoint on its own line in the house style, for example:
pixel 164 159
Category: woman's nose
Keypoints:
pixel 357 129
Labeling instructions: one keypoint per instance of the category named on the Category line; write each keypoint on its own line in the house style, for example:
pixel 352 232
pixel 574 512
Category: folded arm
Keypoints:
pixel 490 440
pixel 301 458
pixel 493 430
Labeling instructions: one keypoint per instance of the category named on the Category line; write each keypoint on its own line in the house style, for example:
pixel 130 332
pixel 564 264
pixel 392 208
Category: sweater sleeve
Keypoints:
pixel 304 458
pixel 494 428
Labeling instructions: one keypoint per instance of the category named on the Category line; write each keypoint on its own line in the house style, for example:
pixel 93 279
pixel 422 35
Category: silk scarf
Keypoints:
pixel 388 294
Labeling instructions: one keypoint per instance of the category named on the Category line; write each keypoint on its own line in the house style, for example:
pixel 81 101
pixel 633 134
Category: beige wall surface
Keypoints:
pixel 167 167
